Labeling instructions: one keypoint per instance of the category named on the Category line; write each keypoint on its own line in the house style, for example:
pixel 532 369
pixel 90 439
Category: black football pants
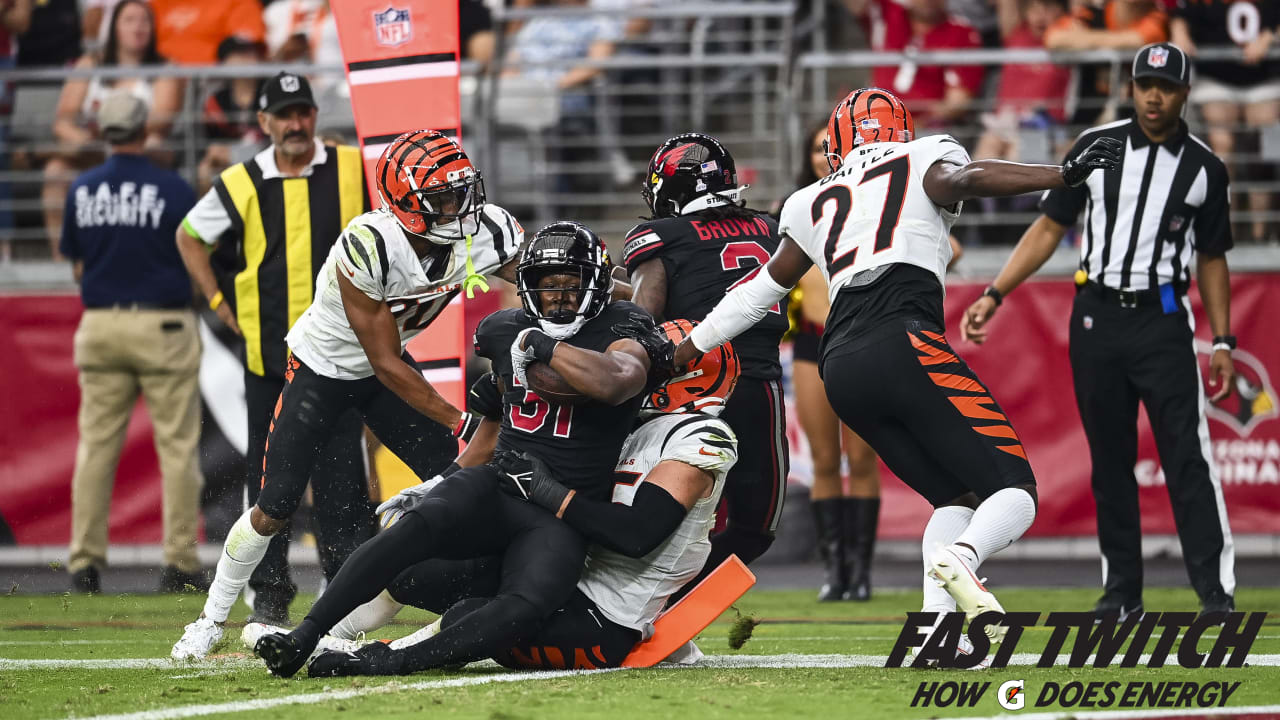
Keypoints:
pixel 341 516
pixel 313 408
pixel 1119 356
pixel 466 517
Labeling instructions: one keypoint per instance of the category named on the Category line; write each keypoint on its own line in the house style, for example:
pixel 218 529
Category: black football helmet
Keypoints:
pixel 560 248
pixel 688 167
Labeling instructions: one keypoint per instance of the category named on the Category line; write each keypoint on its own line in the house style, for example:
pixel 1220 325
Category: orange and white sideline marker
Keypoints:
pixel 401 58
pixel 695 611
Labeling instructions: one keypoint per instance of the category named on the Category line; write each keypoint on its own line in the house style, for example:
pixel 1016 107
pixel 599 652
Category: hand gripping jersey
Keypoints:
pixel 633 591
pixel 874 211
pixel 375 255
pixel 579 442
pixel 704 258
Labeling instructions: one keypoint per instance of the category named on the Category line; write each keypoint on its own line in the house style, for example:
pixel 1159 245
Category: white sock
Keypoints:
pixel 418 636
pixel 945 525
pixel 241 553
pixel 998 521
pixel 367 618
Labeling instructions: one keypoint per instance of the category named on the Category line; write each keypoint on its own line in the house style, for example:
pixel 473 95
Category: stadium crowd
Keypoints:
pixel 1025 111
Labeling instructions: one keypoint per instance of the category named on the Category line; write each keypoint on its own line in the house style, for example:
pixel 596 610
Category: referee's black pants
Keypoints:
pixel 342 516
pixel 1119 356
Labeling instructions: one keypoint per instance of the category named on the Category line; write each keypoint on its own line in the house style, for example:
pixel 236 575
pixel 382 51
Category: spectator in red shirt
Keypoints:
pixel 1031 95
pixel 936 94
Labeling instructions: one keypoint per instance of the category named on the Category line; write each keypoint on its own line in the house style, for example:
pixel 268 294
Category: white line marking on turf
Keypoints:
pixel 333 695
pixel 785 660
pixel 1126 714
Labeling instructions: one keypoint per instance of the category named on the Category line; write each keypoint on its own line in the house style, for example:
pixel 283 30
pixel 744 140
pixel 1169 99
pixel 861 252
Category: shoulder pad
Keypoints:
pixel 702 441
pixel 642 243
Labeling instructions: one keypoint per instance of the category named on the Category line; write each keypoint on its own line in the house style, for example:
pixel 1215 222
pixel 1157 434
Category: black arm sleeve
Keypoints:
pixel 634 530
pixel 1212 222
pixel 485 399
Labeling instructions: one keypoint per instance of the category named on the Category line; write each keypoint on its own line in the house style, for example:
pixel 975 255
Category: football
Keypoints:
pixel 550 386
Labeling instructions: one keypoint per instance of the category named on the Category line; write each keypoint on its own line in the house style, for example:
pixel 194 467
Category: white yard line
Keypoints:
pixel 332 695
pixel 712 662
pixel 785 660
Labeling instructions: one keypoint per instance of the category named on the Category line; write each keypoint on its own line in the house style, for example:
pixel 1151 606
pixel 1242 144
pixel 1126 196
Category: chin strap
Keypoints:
pixel 474 280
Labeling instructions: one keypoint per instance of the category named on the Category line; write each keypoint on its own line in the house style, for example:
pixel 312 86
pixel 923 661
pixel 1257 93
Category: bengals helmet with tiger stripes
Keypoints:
pixel 428 183
pixel 868 115
pixel 704 386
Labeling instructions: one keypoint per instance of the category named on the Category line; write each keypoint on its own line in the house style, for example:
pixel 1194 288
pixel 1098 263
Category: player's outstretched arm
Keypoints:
pixel 1035 247
pixel 375 328
pixel 947 183
pixel 748 303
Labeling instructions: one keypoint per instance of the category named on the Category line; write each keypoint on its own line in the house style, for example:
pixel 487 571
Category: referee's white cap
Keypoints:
pixel 1163 60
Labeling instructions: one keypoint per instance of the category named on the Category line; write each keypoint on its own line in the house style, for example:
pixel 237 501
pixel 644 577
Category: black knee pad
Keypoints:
pixel 747 544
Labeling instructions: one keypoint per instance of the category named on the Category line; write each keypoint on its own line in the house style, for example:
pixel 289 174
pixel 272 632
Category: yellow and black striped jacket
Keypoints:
pixel 281 231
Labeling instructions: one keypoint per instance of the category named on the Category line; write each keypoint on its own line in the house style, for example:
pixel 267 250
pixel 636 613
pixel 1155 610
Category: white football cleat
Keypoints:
pixel 687 654
pixel 964 647
pixel 951 569
pixel 416 636
pixel 252 631
pixel 197 640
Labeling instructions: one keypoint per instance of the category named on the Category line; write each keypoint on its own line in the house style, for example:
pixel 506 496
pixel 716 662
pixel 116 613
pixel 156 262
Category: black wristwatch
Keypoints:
pixel 1227 342
pixel 994 294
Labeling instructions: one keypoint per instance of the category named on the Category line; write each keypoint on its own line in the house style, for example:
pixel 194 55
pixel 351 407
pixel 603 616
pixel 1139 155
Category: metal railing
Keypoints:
pixel 726 68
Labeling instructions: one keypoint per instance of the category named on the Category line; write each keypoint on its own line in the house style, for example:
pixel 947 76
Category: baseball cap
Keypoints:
pixel 121 117
pixel 1163 60
pixel 284 90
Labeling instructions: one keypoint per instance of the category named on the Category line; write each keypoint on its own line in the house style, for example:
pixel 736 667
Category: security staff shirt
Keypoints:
pixel 120 220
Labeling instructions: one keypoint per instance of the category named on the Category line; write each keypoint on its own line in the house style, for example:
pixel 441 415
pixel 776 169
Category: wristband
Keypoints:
pixel 542 345
pixel 467 426
pixel 216 301
pixel 453 468
pixel 1222 346
pixel 1228 342
pixel 994 294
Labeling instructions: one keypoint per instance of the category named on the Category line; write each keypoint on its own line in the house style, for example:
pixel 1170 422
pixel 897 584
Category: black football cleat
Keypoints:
pixel 376 658
pixel 282 653
pixel 1217 603
pixel 1122 609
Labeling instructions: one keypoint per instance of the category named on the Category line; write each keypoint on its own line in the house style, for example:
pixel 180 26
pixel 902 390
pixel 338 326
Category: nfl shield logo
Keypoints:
pixel 393 26
pixel 1157 57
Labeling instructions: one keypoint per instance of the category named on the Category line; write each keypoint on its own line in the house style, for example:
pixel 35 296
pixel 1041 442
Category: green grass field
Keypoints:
pixel 63 656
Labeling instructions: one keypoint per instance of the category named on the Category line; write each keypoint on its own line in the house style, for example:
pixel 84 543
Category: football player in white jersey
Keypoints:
pixel 647 540
pixel 877 228
pixel 389 275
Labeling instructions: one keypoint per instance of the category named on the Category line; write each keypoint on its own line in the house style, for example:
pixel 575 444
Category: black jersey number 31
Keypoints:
pixel 898 170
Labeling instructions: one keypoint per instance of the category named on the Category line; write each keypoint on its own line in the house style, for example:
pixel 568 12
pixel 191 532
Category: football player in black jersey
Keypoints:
pixel 570 323
pixel 701 242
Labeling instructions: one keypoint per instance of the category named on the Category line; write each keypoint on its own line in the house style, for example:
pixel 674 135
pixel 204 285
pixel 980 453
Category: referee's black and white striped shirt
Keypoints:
pixel 1145 220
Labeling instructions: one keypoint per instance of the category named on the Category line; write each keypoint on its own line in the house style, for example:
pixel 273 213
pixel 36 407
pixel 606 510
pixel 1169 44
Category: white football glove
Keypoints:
pixel 520 358
pixel 395 507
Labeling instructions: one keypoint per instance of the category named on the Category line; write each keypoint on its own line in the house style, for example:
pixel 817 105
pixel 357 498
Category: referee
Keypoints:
pixel 253 244
pixel 1132 330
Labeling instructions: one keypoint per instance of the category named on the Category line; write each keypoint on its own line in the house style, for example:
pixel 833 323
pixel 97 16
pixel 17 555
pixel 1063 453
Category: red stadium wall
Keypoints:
pixel 1025 364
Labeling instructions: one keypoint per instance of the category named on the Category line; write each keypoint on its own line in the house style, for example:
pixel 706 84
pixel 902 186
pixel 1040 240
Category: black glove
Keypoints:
pixel 1102 154
pixel 523 476
pixel 657 345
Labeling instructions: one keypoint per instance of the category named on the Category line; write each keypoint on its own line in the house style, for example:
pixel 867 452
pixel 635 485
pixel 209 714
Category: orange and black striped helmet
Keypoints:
pixel 426 180
pixel 868 115
pixel 704 386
